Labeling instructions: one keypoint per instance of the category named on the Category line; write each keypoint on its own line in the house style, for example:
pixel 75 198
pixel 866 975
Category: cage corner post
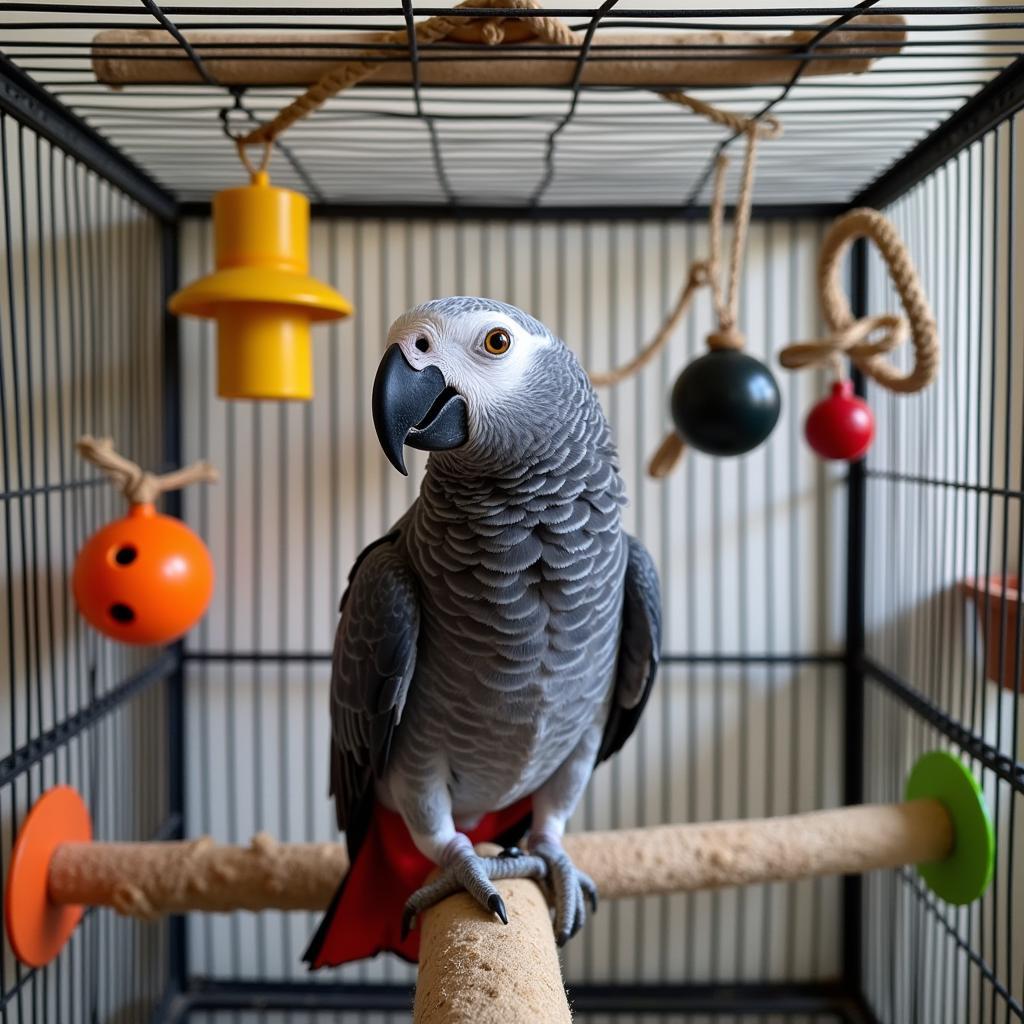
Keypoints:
pixel 853 672
pixel 177 953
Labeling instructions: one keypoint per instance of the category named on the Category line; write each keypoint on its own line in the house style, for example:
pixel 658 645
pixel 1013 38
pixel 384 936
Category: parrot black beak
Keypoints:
pixel 415 407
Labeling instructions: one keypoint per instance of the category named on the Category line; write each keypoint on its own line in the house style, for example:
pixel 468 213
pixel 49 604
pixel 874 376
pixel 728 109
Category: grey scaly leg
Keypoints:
pixel 463 869
pixel 569 889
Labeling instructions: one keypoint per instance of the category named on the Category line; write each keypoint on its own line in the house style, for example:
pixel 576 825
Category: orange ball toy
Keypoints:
pixel 145 578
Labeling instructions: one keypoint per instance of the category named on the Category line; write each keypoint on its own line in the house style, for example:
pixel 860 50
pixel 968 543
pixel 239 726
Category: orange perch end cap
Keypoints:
pixel 37 928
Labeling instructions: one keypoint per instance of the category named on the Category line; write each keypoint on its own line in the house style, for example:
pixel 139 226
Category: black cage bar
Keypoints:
pixel 811 652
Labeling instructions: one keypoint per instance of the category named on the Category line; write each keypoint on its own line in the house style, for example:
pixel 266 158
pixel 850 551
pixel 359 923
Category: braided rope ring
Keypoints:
pixel 866 355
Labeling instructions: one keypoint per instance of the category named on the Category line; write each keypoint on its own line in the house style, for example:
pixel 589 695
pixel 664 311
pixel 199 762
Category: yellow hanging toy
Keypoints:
pixel 261 294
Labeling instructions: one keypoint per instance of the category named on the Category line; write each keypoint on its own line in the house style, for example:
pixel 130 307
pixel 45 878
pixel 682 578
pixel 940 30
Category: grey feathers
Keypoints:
pixel 639 649
pixel 455 304
pixel 372 666
pixel 508 622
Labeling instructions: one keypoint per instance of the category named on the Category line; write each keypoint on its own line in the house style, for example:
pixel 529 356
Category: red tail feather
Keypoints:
pixel 365 916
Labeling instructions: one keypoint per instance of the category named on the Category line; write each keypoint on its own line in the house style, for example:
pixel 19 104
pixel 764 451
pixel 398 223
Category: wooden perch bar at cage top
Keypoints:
pixel 640 59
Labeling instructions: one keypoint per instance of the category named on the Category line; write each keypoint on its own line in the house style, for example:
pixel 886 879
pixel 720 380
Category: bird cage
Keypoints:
pixel 825 624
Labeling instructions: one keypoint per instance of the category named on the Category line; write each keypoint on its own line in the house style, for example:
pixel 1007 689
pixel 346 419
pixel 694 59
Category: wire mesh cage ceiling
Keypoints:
pixel 162 83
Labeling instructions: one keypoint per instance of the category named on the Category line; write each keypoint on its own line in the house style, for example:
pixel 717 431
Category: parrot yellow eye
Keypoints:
pixel 497 342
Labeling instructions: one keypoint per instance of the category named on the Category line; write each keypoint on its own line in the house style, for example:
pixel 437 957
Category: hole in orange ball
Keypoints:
pixel 126 554
pixel 122 613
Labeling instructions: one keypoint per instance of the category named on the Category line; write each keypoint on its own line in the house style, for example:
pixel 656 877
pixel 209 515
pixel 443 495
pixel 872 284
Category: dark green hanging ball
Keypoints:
pixel 725 403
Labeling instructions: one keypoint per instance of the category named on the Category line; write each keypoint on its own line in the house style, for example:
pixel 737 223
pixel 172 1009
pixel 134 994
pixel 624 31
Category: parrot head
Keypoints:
pixel 466 373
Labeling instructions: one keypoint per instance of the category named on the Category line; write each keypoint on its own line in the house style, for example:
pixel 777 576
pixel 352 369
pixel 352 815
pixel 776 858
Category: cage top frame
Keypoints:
pixel 579 149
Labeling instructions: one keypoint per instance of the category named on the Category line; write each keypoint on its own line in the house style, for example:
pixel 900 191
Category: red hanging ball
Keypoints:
pixel 841 426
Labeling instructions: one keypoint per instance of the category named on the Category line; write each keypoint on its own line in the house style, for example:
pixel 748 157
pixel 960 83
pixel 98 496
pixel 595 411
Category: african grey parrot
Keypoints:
pixel 497 644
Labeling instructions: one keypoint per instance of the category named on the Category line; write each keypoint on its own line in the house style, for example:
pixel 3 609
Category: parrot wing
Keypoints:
pixel 372 666
pixel 639 648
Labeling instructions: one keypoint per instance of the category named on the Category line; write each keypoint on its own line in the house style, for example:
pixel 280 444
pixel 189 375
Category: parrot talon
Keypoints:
pixel 569 889
pixel 496 905
pixel 511 852
pixel 589 889
pixel 473 874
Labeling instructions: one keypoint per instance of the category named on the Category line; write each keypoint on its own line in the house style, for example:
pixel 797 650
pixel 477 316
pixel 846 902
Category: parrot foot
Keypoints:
pixel 569 889
pixel 463 870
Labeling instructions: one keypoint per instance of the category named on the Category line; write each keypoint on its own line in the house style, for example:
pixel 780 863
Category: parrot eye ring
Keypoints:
pixel 423 344
pixel 497 341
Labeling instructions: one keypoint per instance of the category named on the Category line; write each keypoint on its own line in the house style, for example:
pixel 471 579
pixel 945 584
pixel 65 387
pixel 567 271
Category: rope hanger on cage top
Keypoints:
pixel 725 403
pixel 261 294
pixel 492 31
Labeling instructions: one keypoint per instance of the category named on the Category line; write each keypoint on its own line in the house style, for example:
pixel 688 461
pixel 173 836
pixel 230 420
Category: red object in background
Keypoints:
pixel 143 579
pixel 997 602
pixel 841 426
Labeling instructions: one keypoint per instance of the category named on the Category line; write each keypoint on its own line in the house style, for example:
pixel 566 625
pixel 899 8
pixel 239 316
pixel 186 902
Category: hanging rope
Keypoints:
pixel 138 486
pixel 491 31
pixel 698 277
pixel 867 340
pixel 708 272
pixel 553 30
pixel 768 127
pixel 725 294
pixel 433 30
pixel 727 302
pixel 254 169
pixel 668 453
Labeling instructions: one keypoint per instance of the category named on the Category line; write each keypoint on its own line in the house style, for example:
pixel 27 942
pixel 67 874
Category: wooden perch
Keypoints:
pixel 638 59
pixel 150 879
pixel 474 970
pixel 466 974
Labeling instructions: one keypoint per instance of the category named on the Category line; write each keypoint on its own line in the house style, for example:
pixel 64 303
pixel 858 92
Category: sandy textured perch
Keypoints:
pixel 152 57
pixel 466 975
pixel 149 879
pixel 473 970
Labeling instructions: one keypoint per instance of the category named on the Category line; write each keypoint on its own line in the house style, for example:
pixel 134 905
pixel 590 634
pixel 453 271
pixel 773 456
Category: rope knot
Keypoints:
pixel 137 485
pixel 867 340
pixel 769 127
pixel 493 31
pixel 872 336
pixel 700 275
pixel 726 337
pixel 863 341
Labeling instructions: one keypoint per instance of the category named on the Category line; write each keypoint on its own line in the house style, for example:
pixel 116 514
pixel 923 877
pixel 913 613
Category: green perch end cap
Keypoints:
pixel 965 874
